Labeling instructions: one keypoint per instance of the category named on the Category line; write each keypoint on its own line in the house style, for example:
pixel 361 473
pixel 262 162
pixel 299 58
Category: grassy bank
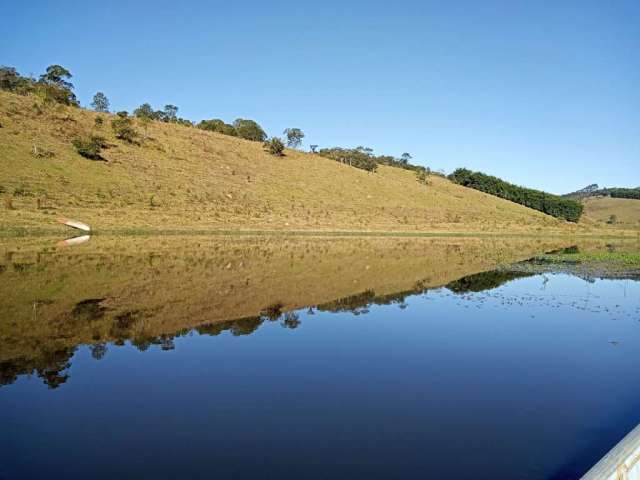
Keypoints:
pixel 185 179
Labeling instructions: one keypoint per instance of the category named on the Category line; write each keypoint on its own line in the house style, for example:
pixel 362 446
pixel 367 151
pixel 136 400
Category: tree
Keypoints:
pixel 123 128
pixel 613 219
pixel 55 75
pixel 249 130
pixel 100 102
pixel 144 111
pixel 90 147
pixel 9 79
pixel 217 125
pixel 359 157
pixel 170 113
pixel 53 87
pixel 365 150
pixel 274 146
pixel 294 137
pixel 313 148
pixel 405 158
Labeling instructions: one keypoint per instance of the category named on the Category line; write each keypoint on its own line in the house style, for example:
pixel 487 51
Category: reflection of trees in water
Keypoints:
pixel 51 367
pixel 90 309
pixel 359 303
pixel 485 281
pixel 567 250
pixel 98 351
pixel 291 320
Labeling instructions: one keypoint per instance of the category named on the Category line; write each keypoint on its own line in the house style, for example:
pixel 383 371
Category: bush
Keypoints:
pixel 99 121
pixel 123 128
pixel 613 219
pixel 538 200
pixel 217 125
pixel 90 147
pixel 274 146
pixel 249 130
pixel 422 175
pixel 357 157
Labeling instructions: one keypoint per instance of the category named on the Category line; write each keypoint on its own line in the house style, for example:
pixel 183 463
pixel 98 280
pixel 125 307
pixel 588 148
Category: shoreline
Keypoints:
pixel 13 232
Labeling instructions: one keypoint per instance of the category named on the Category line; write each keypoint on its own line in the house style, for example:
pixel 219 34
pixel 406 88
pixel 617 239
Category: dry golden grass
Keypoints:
pixel 627 211
pixel 185 178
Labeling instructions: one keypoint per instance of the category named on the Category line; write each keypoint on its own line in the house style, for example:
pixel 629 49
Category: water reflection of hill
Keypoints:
pixel 148 290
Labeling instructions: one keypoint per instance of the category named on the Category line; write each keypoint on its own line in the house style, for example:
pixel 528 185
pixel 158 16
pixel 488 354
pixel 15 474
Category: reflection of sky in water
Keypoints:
pixel 530 380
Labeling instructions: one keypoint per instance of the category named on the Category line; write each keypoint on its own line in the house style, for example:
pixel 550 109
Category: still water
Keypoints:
pixel 309 358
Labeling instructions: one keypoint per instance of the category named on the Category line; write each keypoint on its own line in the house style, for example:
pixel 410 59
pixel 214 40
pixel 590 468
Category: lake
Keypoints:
pixel 313 357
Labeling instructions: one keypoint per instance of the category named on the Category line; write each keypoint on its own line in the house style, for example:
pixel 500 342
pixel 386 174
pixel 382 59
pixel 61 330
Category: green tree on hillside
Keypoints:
pixel 249 130
pixel 100 102
pixel 170 113
pixel 56 75
pixel 405 158
pixel 274 146
pixel 54 87
pixel 9 79
pixel 123 128
pixel 313 148
pixel 144 111
pixel 217 125
pixel 548 203
pixel 294 137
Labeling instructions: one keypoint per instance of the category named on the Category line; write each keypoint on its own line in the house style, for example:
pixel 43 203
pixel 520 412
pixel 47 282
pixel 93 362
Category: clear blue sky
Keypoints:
pixel 543 93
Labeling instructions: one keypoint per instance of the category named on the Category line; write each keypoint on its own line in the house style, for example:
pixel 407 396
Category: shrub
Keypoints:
pixel 422 176
pixel 538 200
pixel 90 147
pixel 249 130
pixel 357 157
pixel 123 128
pixel 274 146
pixel 217 125
pixel 99 121
pixel 613 219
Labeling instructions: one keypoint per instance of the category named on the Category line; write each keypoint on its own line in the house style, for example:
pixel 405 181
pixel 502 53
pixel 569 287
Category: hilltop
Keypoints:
pixel 594 190
pixel 180 177
pixel 614 207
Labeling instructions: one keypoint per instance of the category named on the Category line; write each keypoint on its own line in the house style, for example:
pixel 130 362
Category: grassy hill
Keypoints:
pixel 189 179
pixel 600 209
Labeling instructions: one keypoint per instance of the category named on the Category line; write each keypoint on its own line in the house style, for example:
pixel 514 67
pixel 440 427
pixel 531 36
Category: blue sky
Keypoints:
pixel 544 94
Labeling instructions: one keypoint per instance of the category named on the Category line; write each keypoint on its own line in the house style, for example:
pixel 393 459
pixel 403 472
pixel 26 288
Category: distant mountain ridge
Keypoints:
pixel 594 190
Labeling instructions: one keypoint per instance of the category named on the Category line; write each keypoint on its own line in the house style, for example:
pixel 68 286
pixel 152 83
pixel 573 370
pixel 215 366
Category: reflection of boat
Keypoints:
pixel 74 224
pixel 74 241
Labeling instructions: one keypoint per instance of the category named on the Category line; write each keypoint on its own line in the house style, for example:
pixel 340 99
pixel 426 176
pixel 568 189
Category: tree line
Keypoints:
pixel 614 192
pixel 548 203
pixel 54 86
pixel 364 159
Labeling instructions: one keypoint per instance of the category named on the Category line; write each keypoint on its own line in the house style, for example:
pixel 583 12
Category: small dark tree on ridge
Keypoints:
pixel 100 102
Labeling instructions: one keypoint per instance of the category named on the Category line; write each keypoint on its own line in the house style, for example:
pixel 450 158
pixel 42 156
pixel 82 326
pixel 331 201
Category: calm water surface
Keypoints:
pixel 309 359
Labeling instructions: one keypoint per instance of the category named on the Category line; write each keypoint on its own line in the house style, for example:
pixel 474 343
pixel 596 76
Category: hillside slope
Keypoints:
pixel 186 178
pixel 600 209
